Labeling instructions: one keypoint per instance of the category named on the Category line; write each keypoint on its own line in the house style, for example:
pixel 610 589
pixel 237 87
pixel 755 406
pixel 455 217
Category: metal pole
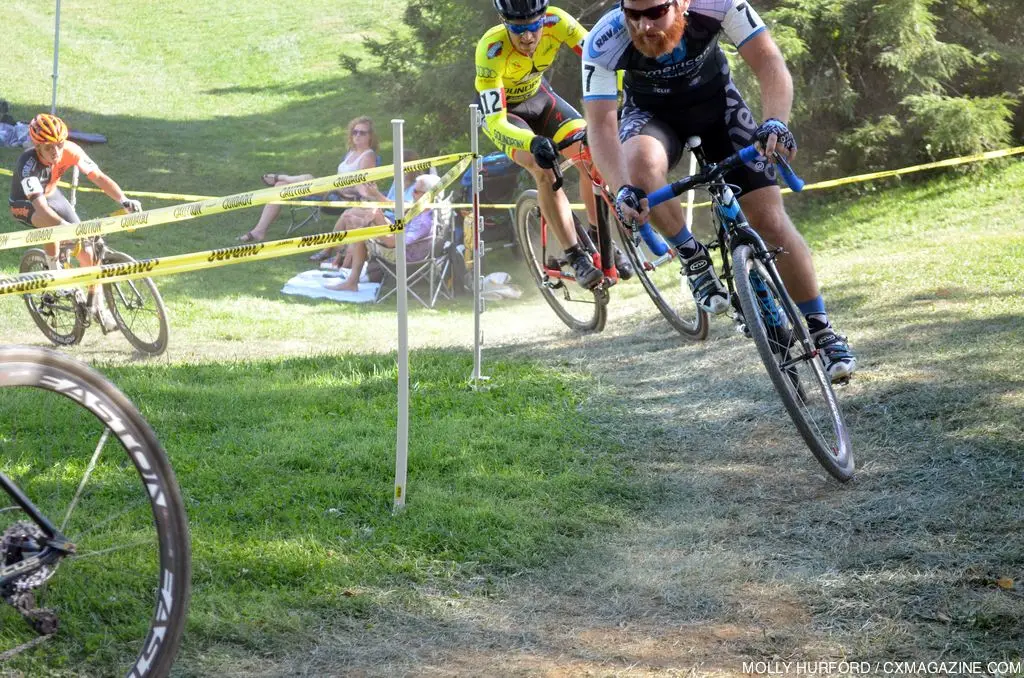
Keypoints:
pixel 402 442
pixel 56 55
pixel 478 250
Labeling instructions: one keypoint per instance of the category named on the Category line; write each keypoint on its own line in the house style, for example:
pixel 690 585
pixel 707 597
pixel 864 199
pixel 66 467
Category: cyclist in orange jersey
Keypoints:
pixel 36 200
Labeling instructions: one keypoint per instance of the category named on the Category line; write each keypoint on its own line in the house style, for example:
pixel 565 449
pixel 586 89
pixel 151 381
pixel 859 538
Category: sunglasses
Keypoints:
pixel 360 132
pixel 651 13
pixel 532 27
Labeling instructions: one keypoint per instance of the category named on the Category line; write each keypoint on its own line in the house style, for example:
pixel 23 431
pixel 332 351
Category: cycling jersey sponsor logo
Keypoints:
pixel 240 252
pixel 235 202
pixel 26 282
pixel 128 268
pixel 484 72
pixel 600 40
pixel 193 209
pixel 39 236
pixel 88 229
pixel 551 19
pixel 341 182
pixel 523 89
pixel 322 239
pixel 502 139
pixel 494 49
pixel 134 220
pixel 19 213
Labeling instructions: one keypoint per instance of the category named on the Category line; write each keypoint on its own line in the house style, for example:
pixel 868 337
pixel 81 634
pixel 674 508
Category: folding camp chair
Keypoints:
pixel 434 270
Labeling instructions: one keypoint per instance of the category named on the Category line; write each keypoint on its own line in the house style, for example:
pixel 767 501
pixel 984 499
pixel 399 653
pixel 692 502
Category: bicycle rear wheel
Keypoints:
pixel 138 308
pixel 793 364
pixel 55 312
pixel 662 277
pixel 88 468
pixel 582 310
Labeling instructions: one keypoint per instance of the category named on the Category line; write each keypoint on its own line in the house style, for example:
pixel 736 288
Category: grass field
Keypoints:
pixel 622 504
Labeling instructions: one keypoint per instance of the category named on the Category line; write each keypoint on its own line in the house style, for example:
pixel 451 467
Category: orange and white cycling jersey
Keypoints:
pixel 32 177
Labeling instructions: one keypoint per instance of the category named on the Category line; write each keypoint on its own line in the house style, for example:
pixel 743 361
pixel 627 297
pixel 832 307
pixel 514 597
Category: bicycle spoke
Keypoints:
pixel 85 477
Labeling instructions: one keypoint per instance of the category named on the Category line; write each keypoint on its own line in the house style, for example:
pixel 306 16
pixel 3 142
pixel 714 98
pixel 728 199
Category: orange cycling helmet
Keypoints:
pixel 47 129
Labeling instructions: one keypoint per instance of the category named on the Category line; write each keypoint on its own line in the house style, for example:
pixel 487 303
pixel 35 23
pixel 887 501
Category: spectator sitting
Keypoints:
pixel 417 239
pixel 362 154
pixel 361 217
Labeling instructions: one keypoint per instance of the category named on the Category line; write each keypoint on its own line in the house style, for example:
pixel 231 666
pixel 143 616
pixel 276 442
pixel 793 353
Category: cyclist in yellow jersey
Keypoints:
pixel 525 118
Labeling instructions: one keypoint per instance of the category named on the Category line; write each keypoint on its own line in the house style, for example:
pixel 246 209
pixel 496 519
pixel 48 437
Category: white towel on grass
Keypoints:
pixel 311 284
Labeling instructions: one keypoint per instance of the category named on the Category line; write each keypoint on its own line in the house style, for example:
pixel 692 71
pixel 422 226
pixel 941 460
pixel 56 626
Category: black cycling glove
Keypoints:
pixel 544 152
pixel 630 196
pixel 783 137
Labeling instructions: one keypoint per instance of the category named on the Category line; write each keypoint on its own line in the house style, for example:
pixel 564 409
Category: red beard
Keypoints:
pixel 658 43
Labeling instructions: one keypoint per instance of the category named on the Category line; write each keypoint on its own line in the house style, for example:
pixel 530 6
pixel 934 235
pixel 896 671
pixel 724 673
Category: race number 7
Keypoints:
pixel 590 74
pixel 490 101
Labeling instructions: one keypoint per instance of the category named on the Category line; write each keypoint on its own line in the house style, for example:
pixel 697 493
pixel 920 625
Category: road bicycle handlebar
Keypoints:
pixel 712 172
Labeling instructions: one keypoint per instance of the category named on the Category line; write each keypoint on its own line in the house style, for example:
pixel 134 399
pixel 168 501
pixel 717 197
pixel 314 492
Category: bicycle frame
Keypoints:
pixel 602 250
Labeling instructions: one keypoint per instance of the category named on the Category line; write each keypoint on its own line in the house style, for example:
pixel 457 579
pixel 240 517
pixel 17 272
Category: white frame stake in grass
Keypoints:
pixel 402 439
pixel 478 250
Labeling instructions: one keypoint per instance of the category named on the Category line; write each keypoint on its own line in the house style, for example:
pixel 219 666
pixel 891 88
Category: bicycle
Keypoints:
pixel 586 310
pixel 64 314
pixel 767 313
pixel 94 541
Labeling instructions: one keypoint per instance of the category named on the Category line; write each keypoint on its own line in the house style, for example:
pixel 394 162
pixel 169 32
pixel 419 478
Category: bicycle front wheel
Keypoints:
pixel 138 309
pixel 581 310
pixel 792 363
pixel 94 538
pixel 662 277
pixel 55 312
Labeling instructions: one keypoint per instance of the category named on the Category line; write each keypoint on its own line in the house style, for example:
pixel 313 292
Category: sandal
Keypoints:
pixel 248 237
pixel 272 181
pixel 323 255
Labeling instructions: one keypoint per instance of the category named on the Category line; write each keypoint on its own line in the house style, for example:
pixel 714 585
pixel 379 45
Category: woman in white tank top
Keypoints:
pixel 362 154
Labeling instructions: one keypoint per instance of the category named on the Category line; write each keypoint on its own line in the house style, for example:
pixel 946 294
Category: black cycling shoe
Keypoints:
pixel 587 275
pixel 622 264
pixel 708 291
pixel 839 360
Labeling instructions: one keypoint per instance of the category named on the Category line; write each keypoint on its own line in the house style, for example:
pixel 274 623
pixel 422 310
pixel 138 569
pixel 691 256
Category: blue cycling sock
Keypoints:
pixel 814 312
pixel 685 243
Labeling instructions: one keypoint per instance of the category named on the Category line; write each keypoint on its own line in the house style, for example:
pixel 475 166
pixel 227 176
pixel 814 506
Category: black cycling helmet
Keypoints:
pixel 514 10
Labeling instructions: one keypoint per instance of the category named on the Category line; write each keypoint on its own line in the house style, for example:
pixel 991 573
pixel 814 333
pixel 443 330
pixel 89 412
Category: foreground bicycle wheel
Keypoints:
pixel 793 364
pixel 138 309
pixel 94 538
pixel 55 312
pixel 582 310
pixel 662 277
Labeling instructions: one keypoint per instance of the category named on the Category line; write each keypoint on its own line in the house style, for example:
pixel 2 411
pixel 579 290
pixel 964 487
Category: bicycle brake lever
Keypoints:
pixel 558 179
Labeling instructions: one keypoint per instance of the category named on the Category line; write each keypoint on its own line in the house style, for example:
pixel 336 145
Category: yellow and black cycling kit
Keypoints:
pixel 516 100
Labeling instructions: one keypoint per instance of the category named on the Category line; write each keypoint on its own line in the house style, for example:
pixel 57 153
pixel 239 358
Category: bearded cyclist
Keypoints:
pixel 525 118
pixel 677 85
pixel 36 200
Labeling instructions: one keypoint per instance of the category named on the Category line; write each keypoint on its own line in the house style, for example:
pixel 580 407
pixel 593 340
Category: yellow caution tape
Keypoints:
pixel 182 263
pixel 147 268
pixel 174 213
pixel 831 183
